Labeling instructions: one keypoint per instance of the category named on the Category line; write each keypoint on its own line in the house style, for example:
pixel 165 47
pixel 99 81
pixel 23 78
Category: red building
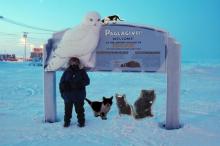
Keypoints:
pixel 36 57
pixel 37 53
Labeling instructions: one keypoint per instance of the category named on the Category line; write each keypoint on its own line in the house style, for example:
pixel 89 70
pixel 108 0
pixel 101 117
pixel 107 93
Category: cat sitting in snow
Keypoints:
pixel 123 106
pixel 101 108
pixel 142 106
pixel 144 103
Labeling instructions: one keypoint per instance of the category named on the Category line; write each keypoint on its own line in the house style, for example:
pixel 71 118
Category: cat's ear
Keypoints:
pixel 111 98
pixel 103 98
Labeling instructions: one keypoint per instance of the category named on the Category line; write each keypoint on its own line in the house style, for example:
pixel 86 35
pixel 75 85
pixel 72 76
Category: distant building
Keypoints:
pixel 37 53
pixel 36 57
pixel 8 57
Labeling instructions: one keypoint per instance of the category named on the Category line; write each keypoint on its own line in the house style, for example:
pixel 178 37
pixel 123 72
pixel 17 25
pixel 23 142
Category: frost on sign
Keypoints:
pixel 131 48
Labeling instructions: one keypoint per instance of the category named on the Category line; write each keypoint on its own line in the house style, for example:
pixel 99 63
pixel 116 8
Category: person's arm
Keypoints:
pixel 64 85
pixel 86 80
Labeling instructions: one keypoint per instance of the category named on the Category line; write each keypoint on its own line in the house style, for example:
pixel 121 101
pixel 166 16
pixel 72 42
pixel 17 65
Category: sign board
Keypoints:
pixel 131 48
pixel 125 47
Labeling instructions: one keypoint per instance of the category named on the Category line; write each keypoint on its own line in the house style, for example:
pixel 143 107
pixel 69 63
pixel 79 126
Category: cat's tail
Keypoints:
pixel 120 19
pixel 89 102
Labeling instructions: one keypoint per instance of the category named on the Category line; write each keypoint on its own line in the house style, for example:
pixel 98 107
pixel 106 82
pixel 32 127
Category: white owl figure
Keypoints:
pixel 80 41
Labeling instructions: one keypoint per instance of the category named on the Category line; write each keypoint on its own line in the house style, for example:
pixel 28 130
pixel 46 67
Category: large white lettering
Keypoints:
pixel 108 32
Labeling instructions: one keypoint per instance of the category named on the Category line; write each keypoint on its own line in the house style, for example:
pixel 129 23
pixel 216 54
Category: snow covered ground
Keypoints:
pixel 22 109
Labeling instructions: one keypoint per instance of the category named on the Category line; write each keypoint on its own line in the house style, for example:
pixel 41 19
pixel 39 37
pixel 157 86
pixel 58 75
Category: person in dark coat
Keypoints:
pixel 73 91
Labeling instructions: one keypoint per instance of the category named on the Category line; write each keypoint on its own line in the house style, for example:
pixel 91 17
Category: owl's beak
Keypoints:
pixel 97 24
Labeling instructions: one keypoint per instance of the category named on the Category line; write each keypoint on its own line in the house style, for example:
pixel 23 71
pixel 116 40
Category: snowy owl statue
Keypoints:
pixel 80 41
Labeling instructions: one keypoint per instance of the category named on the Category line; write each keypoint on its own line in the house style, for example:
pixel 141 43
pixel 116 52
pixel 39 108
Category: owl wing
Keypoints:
pixel 72 40
pixel 75 34
pixel 56 63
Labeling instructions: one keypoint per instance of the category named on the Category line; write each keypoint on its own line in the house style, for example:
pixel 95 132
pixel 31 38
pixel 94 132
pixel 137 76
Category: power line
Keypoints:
pixel 8 34
pixel 25 25
pixel 40 33
pixel 18 35
pixel 30 32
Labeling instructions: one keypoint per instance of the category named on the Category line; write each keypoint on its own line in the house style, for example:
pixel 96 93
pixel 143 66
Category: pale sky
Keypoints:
pixel 194 23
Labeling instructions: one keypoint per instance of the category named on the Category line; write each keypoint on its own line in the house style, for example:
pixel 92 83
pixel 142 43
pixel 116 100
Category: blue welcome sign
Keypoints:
pixel 125 47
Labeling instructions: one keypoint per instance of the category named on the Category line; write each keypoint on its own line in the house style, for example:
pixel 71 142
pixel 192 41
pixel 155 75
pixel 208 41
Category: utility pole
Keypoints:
pixel 25 44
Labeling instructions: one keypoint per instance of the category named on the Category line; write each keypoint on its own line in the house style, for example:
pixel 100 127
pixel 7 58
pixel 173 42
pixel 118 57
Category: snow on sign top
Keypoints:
pixel 125 47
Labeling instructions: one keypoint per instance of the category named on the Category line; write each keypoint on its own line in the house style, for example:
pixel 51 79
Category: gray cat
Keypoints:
pixel 123 106
pixel 143 104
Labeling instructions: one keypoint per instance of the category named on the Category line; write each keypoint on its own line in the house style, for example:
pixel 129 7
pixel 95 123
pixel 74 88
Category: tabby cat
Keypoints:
pixel 123 106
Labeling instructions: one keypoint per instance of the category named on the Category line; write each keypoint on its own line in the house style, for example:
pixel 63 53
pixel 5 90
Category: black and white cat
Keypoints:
pixel 144 103
pixel 113 18
pixel 101 108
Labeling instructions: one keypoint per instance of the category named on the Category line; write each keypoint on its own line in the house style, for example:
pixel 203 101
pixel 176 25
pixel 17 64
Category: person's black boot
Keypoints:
pixel 81 125
pixel 66 124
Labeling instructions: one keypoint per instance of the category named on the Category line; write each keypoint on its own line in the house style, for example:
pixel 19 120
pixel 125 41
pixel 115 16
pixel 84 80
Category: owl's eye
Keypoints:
pixel 91 19
pixel 98 19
